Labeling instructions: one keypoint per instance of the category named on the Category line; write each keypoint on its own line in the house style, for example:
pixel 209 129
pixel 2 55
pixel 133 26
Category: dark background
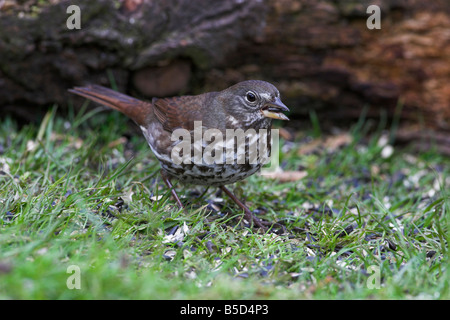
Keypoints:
pixel 320 54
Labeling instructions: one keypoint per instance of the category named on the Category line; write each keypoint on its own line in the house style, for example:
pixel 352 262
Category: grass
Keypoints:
pixel 83 190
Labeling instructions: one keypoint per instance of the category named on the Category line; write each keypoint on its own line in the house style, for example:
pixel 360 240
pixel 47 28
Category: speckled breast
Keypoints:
pixel 214 163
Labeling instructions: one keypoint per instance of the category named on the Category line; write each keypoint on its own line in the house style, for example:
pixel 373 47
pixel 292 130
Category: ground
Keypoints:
pixel 84 215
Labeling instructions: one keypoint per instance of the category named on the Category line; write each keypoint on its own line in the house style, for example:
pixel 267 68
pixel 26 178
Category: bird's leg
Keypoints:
pixel 169 185
pixel 247 213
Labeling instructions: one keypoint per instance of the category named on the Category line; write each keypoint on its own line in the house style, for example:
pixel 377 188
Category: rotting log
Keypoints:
pixel 320 54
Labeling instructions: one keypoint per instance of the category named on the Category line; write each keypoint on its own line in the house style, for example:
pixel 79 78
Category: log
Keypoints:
pixel 152 46
pixel 320 54
pixel 324 57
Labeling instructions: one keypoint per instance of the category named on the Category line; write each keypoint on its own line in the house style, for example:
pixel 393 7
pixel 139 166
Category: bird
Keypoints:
pixel 178 129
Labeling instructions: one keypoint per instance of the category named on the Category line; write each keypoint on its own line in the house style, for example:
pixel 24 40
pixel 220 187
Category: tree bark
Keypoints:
pixel 320 54
pixel 323 57
pixel 41 58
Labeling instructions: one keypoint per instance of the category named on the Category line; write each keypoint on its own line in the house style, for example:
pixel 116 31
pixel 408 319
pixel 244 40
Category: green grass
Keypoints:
pixel 84 191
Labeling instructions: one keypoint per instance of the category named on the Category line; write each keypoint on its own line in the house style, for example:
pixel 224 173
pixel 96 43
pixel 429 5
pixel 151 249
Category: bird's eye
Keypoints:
pixel 250 97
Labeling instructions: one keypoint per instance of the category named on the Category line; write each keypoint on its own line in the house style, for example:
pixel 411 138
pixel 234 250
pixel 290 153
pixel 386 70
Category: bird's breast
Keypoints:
pixel 215 157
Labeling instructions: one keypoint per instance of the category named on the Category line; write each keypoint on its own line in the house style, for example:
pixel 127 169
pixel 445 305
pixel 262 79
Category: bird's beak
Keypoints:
pixel 274 110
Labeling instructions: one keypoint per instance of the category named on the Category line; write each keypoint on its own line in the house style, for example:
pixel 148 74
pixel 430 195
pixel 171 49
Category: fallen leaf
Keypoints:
pixel 286 176
pixel 331 144
pixel 117 142
pixel 309 147
pixel 285 134
pixel 335 142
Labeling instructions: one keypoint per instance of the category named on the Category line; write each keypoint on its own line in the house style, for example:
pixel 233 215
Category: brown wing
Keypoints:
pixel 180 112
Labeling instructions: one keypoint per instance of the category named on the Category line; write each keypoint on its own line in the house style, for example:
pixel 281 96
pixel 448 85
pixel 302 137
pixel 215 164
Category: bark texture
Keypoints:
pixel 320 54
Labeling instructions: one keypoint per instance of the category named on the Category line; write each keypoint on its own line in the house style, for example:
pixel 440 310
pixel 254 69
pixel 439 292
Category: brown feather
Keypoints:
pixel 181 112
pixel 139 111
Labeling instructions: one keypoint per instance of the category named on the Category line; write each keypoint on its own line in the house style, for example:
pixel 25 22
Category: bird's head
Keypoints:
pixel 254 102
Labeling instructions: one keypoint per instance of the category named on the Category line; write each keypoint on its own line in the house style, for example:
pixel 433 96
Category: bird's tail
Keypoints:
pixel 135 109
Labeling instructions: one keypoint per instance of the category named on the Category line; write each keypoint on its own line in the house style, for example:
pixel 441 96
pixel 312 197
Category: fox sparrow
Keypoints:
pixel 247 107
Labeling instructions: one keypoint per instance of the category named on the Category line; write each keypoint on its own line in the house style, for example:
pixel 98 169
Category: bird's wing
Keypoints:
pixel 179 112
